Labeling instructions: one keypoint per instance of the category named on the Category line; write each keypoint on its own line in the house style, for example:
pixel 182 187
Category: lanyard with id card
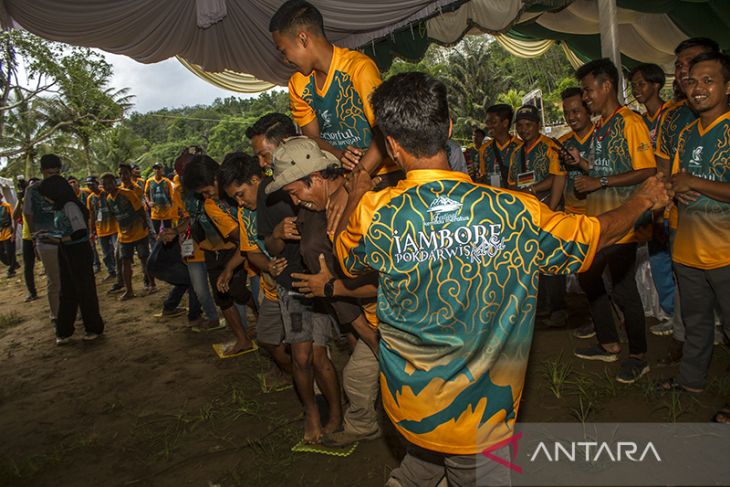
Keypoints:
pixel 187 247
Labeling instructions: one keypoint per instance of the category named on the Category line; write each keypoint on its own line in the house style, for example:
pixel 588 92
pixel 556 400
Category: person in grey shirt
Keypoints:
pixel 457 161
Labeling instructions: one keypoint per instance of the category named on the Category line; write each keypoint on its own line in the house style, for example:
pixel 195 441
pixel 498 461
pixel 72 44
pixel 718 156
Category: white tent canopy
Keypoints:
pixel 216 35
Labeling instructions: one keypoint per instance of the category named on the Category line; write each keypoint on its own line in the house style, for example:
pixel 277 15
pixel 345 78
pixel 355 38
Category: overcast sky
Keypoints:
pixel 165 84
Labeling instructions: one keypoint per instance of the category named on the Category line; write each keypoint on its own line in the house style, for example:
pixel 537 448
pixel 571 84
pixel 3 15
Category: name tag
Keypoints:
pixel 525 179
pixel 495 180
pixel 187 249
pixel 99 216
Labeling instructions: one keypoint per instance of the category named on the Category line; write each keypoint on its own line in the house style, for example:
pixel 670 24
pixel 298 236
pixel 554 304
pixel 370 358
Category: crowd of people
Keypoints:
pixel 356 217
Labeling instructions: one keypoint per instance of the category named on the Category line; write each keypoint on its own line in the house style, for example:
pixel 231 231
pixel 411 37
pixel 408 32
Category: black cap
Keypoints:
pixel 50 161
pixel 528 112
pixel 156 165
pixel 92 179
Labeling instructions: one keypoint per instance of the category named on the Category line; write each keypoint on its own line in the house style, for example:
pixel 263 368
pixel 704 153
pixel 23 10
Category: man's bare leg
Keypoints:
pixel 234 323
pixel 303 373
pixel 282 360
pixel 327 381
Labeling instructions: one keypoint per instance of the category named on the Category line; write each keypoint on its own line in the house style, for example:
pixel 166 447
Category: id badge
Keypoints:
pixel 525 179
pixel 99 216
pixel 187 248
pixel 495 180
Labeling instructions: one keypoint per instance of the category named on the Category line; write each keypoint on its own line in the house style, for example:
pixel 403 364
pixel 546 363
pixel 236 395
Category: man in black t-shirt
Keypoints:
pixel 307 332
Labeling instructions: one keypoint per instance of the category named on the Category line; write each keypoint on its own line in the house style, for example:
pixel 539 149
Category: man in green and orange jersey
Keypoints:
pixel 103 226
pixel 330 94
pixel 535 168
pixel 701 250
pixel 133 234
pixel 452 367
pixel 621 157
pixel 213 224
pixel 675 118
pixel 495 154
pixel 159 194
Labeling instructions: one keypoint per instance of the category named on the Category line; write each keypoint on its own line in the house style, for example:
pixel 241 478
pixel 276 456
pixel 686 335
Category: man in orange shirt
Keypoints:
pixel 102 226
pixel 159 194
pixel 7 237
pixel 133 234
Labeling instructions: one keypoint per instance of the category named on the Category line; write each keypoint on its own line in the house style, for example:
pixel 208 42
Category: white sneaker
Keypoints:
pixel 91 336
pixel 665 328
pixel 63 341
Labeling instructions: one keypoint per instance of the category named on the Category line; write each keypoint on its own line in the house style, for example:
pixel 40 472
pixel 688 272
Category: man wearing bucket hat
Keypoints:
pixel 313 179
pixel 306 328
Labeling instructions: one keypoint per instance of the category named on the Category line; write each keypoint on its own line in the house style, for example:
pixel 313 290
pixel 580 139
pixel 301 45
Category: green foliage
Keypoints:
pixel 479 73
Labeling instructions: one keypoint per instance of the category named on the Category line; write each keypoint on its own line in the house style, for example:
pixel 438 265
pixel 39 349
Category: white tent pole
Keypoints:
pixel 607 22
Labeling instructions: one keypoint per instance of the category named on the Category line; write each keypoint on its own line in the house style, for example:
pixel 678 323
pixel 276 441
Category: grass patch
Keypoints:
pixel 557 372
pixel 11 319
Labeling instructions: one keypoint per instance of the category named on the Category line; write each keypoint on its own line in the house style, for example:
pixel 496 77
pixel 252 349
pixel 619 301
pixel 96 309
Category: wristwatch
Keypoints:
pixel 604 182
pixel 329 288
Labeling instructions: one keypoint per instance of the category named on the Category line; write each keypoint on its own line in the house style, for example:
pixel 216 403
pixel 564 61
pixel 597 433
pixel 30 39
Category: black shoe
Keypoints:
pixel 31 297
pixel 596 352
pixel 116 289
pixel 632 369
pixel 585 331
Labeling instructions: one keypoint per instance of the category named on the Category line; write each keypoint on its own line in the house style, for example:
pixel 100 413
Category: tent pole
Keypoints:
pixel 608 23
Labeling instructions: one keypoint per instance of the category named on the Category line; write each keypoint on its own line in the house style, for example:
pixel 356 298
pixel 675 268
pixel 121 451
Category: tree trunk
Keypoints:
pixel 87 154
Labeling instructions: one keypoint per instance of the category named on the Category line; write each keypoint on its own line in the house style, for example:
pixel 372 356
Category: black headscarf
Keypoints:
pixel 57 189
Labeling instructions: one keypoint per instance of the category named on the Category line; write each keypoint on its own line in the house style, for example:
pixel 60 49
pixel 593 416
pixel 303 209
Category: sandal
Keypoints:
pixel 672 385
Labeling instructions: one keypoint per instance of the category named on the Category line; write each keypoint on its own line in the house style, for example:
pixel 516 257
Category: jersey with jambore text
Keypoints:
pixel 458 266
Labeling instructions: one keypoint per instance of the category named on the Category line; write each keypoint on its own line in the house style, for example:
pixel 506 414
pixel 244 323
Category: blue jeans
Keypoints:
pixel 108 244
pixel 660 262
pixel 199 281
pixel 175 296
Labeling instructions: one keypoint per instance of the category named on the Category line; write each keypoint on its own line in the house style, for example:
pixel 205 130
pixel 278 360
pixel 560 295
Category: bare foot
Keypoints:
pixel 334 424
pixel 237 347
pixel 312 428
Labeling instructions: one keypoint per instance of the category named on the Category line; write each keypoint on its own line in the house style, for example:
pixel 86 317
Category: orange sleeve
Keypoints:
pixel 350 245
pixel 554 159
pixel 365 79
pixel 301 112
pixel 222 220
pixel 134 199
pixel 639 142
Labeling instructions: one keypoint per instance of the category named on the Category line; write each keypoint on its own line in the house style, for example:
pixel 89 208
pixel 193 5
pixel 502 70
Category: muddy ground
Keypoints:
pixel 150 404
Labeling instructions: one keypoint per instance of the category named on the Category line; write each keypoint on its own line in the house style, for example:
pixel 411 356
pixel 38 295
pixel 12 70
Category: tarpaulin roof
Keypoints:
pixel 219 39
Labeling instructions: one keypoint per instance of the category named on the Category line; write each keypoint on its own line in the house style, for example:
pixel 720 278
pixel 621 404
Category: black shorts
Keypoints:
pixel 238 293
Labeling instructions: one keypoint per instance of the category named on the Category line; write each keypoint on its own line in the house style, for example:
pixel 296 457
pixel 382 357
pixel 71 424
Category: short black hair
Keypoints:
pixel 50 161
pixel 602 69
pixel 653 73
pixel 412 109
pixel 201 171
pixel 330 172
pixel 719 57
pixel 502 110
pixel 125 165
pixel 296 13
pixel 706 43
pixel 72 178
pixel 481 131
pixel 238 168
pixel 571 92
pixel 275 127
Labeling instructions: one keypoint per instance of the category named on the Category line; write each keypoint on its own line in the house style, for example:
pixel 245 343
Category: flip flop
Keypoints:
pixel 267 388
pixel 722 416
pixel 198 329
pixel 303 447
pixel 220 347
pixel 672 385
pixel 161 315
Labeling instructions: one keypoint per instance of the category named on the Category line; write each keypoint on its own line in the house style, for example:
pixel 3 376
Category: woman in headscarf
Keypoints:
pixel 78 287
